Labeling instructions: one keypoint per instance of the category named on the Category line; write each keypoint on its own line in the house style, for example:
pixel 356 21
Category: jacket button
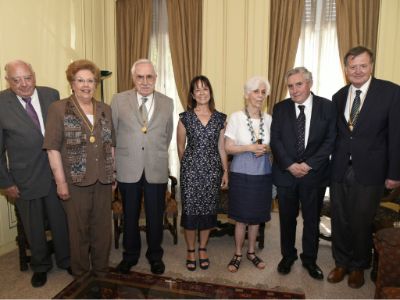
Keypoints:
pixel 142 148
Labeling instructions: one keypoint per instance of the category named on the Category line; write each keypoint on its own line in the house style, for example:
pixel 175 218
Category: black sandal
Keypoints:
pixel 235 262
pixel 204 263
pixel 255 260
pixel 191 264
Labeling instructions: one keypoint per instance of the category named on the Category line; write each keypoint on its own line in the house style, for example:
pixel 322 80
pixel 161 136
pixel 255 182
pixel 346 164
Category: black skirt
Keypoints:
pixel 250 198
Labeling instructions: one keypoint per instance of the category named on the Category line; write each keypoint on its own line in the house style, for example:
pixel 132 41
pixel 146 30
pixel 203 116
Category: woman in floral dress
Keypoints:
pixel 200 138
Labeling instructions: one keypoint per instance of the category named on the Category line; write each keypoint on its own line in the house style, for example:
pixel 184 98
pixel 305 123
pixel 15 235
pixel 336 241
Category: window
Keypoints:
pixel 160 55
pixel 318 47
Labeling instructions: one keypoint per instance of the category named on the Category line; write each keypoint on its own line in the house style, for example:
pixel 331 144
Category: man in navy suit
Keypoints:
pixel 25 173
pixel 365 160
pixel 301 165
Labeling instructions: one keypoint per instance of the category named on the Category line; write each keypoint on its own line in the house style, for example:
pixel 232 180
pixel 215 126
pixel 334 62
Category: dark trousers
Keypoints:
pixel 353 208
pixel 154 205
pixel 290 199
pixel 89 220
pixel 33 214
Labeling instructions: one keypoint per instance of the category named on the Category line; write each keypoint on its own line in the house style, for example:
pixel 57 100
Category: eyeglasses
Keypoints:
pixel 18 80
pixel 83 81
pixel 147 78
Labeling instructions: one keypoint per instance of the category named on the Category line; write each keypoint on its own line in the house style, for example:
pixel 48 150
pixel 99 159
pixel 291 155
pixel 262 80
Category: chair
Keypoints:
pixel 387 244
pixel 171 212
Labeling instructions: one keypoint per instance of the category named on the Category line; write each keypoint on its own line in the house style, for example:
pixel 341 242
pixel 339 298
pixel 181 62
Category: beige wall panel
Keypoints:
pixel 50 34
pixel 235 47
pixel 387 57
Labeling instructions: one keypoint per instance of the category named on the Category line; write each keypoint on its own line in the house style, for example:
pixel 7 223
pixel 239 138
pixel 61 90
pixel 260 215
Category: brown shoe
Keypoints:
pixel 337 274
pixel 356 279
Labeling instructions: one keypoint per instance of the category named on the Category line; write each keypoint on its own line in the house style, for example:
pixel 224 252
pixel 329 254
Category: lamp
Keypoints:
pixel 103 75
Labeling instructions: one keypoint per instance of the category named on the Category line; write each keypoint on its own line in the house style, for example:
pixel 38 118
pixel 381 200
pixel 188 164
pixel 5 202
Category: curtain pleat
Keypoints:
pixel 357 24
pixel 185 38
pixel 133 26
pixel 285 28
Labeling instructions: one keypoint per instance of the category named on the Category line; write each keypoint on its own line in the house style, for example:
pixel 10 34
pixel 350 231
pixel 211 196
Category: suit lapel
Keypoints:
pixel 368 104
pixel 20 112
pixel 316 111
pixel 133 105
pixel 292 116
pixel 156 111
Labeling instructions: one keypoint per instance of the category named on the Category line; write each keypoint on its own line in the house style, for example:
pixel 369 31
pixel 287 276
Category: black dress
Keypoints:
pixel 201 171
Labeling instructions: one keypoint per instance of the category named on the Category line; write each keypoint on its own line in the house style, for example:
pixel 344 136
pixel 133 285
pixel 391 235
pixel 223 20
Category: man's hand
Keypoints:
pixel 392 184
pixel 298 170
pixel 12 192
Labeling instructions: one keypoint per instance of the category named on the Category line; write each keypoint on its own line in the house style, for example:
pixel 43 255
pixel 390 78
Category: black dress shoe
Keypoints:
pixel 39 279
pixel 125 266
pixel 314 271
pixel 285 265
pixel 157 267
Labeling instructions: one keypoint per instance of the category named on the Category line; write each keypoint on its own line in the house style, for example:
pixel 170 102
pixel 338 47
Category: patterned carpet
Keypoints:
pixel 145 286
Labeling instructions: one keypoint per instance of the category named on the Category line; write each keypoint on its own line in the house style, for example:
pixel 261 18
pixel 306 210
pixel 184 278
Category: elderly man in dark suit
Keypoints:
pixel 365 160
pixel 143 124
pixel 302 138
pixel 27 175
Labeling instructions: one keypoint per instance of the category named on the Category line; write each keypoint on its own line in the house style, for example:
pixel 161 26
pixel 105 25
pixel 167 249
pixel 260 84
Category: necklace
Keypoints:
pixel 92 139
pixel 254 140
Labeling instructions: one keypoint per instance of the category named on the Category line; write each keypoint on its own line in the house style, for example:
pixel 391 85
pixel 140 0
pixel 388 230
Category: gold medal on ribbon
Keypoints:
pixel 92 139
pixel 144 129
pixel 351 127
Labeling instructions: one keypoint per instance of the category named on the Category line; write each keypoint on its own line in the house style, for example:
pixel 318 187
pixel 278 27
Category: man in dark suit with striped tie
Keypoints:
pixel 25 173
pixel 366 159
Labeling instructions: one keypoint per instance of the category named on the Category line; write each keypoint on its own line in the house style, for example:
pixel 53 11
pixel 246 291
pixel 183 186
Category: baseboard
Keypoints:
pixel 8 247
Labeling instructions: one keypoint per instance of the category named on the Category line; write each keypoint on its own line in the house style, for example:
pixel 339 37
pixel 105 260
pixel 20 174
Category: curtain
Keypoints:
pixel 185 36
pixel 160 55
pixel 318 47
pixel 133 26
pixel 357 24
pixel 285 27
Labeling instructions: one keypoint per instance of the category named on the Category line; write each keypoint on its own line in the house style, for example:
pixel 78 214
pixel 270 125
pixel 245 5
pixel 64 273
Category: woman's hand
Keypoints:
pixel 63 191
pixel 224 181
pixel 259 149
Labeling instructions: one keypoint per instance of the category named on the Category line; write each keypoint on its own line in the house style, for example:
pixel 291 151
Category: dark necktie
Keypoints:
pixel 143 110
pixel 355 108
pixel 30 110
pixel 301 131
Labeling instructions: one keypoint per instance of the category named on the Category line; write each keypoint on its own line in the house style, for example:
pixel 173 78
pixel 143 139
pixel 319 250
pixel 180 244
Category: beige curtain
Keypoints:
pixel 285 28
pixel 185 35
pixel 134 24
pixel 357 24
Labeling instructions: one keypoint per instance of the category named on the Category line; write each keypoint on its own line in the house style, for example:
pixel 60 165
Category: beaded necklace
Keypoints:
pixel 254 140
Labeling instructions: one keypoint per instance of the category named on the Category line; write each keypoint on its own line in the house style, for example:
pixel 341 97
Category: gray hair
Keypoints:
pixel 254 83
pixel 142 61
pixel 17 62
pixel 299 70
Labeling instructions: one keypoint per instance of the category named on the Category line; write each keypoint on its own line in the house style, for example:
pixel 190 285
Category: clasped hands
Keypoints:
pixel 299 170
pixel 260 149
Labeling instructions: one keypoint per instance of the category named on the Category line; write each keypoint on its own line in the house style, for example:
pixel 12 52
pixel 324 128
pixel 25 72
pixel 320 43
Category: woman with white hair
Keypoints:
pixel 247 138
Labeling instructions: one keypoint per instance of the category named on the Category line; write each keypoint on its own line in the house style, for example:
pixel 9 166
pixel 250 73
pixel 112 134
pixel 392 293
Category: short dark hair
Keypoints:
pixel 191 103
pixel 356 51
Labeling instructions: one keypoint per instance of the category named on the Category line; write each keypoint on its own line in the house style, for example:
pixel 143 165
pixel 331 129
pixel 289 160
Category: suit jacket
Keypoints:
pixel 374 144
pixel 135 151
pixel 319 146
pixel 21 143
